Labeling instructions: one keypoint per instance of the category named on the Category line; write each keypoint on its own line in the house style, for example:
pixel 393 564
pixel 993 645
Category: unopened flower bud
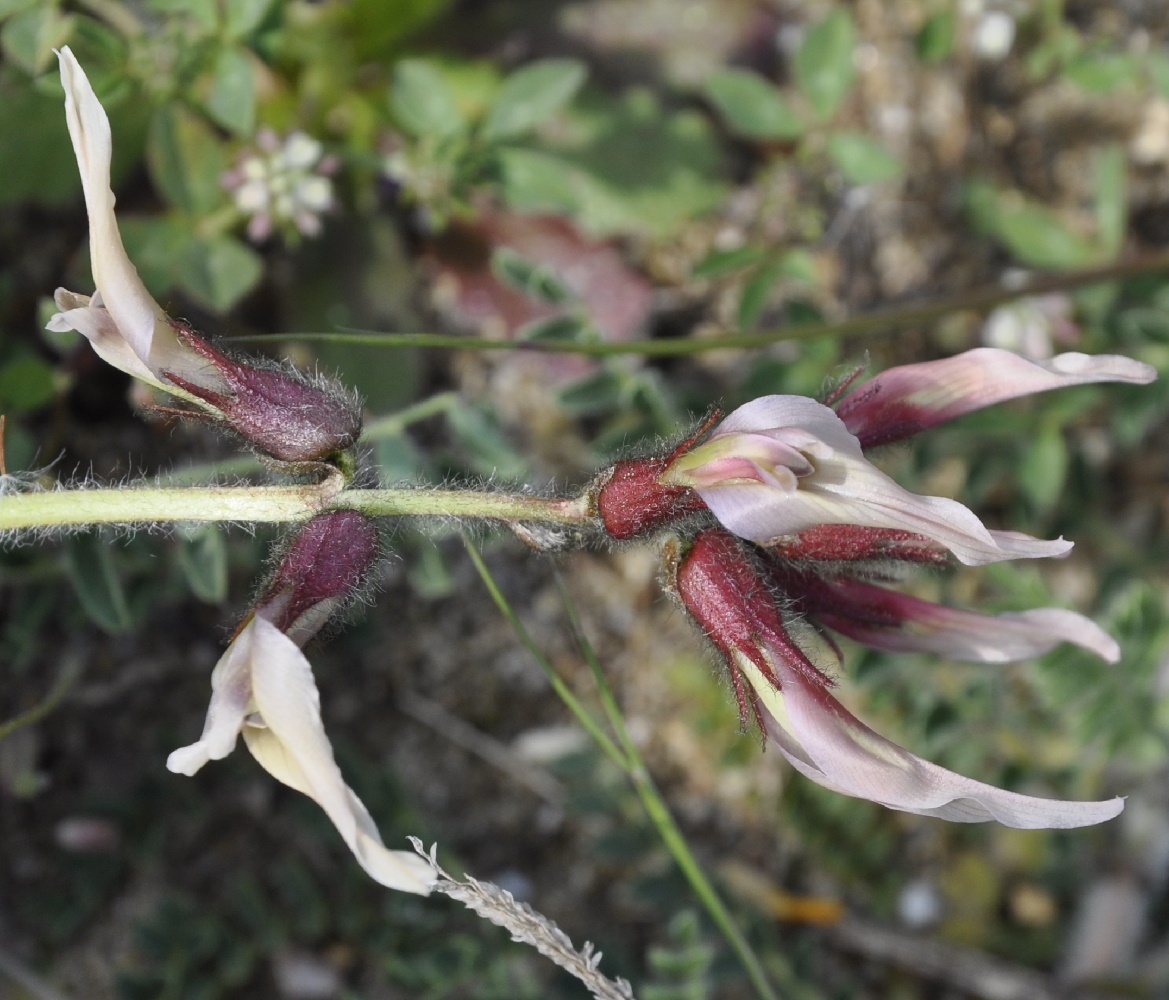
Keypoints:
pixel 282 412
pixel 325 564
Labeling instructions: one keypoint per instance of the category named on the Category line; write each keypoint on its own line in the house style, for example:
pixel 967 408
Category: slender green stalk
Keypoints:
pixel 61 508
pixel 877 321
pixel 66 678
pixel 660 814
pixel 395 423
pixel 583 715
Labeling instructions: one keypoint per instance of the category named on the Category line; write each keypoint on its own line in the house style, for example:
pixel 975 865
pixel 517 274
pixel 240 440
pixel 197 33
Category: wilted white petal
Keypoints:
pixel 97 326
pixel 231 701
pixel 910 398
pixel 292 747
pixel 136 315
pixel 843 488
pixel 832 747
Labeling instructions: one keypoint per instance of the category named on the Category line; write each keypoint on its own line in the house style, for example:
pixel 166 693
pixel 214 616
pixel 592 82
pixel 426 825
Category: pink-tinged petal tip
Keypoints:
pixel 910 398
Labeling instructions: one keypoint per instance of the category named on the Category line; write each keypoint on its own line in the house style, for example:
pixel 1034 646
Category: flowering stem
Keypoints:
pixel 465 503
pixel 660 814
pixel 62 508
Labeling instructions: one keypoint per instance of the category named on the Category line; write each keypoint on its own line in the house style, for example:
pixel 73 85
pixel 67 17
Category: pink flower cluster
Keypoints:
pixel 780 513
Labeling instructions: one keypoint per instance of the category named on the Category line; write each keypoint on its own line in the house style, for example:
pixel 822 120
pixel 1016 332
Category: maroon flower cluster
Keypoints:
pixel 777 515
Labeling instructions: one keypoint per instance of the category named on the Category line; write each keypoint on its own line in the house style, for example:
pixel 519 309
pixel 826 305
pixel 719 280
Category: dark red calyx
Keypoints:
pixel 851 543
pixel 283 413
pixel 324 565
pixel 632 502
pixel 721 586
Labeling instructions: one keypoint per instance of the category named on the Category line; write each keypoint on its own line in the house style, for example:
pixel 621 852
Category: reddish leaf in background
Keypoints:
pixel 615 296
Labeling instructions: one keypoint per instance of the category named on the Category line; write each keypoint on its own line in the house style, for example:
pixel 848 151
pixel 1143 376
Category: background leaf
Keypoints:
pixel 1111 197
pixel 861 158
pixel 232 102
pixel 28 38
pixel 531 95
pixel 752 106
pixel 489 452
pixel 935 40
pixel 203 560
pixel 185 159
pixel 526 275
pixel 823 64
pixel 95 580
pixel 220 271
pixel 422 102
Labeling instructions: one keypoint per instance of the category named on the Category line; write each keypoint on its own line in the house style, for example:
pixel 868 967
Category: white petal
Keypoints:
pixel 98 327
pixel 909 398
pixel 137 317
pixel 231 701
pixel 294 749
pixel 847 490
pixel 788 412
pixel 832 747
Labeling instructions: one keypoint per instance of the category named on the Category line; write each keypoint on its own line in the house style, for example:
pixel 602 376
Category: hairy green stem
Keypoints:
pixel 483 504
pixel 65 508
pixel 61 508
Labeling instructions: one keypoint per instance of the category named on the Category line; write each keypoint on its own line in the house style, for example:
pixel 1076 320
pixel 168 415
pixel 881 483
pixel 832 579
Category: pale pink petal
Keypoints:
pixel 291 745
pixel 231 701
pixel 828 744
pixel 845 488
pixel 904 400
pixel 897 622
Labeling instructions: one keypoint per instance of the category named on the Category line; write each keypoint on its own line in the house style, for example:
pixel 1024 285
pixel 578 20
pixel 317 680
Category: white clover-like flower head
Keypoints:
pixel 283 184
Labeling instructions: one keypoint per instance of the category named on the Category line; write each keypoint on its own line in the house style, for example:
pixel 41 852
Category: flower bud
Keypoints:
pixel 279 411
pixel 324 565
